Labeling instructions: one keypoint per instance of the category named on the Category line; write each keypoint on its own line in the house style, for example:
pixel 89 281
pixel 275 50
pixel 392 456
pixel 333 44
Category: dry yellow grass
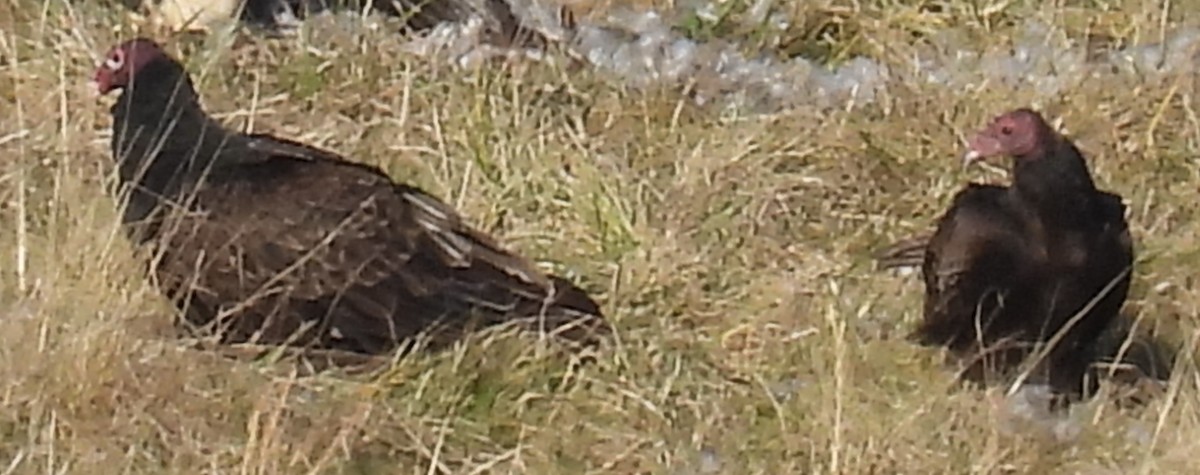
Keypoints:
pixel 193 15
pixel 732 254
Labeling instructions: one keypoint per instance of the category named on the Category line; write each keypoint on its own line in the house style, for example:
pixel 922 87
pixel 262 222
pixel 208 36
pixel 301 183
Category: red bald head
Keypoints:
pixel 1018 133
pixel 123 62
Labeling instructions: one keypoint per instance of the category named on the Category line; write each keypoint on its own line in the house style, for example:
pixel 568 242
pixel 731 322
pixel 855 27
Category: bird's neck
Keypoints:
pixel 1056 182
pixel 163 142
pixel 161 133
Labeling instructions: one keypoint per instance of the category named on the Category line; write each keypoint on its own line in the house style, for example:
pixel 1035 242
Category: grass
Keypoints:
pixel 732 254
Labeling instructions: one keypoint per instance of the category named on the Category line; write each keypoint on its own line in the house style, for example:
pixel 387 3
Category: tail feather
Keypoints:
pixel 568 295
pixel 572 314
pixel 909 252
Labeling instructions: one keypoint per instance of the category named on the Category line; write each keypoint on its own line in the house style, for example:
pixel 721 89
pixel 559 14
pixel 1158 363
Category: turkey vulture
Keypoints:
pixel 1010 267
pixel 271 241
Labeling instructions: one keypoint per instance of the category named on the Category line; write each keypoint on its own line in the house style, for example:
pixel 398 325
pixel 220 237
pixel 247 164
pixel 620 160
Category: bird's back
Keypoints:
pixel 302 237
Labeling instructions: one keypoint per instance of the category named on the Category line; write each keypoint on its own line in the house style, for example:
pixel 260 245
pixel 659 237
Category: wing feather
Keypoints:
pixel 972 256
pixel 304 228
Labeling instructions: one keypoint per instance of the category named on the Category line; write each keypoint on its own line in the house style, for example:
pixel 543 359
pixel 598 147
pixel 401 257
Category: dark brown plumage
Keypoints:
pixel 274 241
pixel 1010 266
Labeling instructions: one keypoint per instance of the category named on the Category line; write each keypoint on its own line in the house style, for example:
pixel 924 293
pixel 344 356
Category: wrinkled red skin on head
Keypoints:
pixel 123 62
pixel 1017 134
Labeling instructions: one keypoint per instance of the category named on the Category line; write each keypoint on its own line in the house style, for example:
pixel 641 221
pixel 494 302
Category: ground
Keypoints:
pixel 732 253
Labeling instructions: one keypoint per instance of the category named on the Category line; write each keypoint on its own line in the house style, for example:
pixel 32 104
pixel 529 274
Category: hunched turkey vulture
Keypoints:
pixel 1011 266
pixel 271 241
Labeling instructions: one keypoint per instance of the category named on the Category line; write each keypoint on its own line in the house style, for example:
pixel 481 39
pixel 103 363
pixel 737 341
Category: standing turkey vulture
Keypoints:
pixel 1009 267
pixel 272 241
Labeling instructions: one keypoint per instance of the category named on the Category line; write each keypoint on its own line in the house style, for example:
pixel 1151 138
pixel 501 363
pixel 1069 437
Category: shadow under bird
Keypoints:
pixel 1044 261
pixel 270 241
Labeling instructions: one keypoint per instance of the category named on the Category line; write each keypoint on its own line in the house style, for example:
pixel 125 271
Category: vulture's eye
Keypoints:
pixel 116 61
pixel 1006 130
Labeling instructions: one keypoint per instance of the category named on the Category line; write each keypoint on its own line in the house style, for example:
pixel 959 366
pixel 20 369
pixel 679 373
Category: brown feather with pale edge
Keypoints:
pixel 1009 267
pixel 282 242
pixel 907 252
